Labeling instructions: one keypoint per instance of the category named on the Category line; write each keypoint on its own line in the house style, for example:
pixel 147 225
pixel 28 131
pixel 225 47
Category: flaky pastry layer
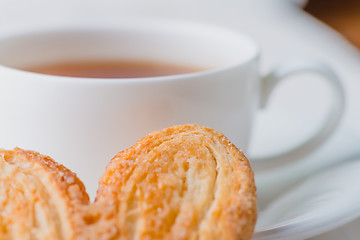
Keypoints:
pixel 38 197
pixel 184 182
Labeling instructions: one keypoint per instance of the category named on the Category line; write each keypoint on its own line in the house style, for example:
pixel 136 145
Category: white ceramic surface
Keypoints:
pixel 82 122
pixel 325 201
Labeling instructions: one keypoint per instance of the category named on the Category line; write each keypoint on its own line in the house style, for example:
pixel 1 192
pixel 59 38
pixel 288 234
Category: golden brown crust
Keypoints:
pixel 184 182
pixel 39 198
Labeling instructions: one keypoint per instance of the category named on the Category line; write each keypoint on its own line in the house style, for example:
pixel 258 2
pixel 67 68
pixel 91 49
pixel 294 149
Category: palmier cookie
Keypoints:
pixel 184 182
pixel 38 197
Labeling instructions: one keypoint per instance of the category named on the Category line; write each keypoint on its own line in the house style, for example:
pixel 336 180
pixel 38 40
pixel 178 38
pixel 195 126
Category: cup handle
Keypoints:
pixel 338 102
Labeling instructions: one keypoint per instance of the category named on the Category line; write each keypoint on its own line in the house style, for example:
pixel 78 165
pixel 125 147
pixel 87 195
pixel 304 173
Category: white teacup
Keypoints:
pixel 83 122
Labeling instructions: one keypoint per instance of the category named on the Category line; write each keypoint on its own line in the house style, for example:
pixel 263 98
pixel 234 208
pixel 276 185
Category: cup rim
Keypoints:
pixel 135 22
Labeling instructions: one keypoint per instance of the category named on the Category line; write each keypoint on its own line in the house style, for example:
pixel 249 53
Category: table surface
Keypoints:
pixel 342 15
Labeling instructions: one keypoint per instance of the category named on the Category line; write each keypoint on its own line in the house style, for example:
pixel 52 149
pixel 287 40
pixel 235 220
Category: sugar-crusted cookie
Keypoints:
pixel 38 197
pixel 184 182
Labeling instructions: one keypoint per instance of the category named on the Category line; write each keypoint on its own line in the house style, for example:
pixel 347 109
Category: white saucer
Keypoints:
pixel 319 204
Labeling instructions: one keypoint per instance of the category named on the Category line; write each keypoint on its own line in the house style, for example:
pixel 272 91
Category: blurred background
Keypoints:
pixel 342 15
